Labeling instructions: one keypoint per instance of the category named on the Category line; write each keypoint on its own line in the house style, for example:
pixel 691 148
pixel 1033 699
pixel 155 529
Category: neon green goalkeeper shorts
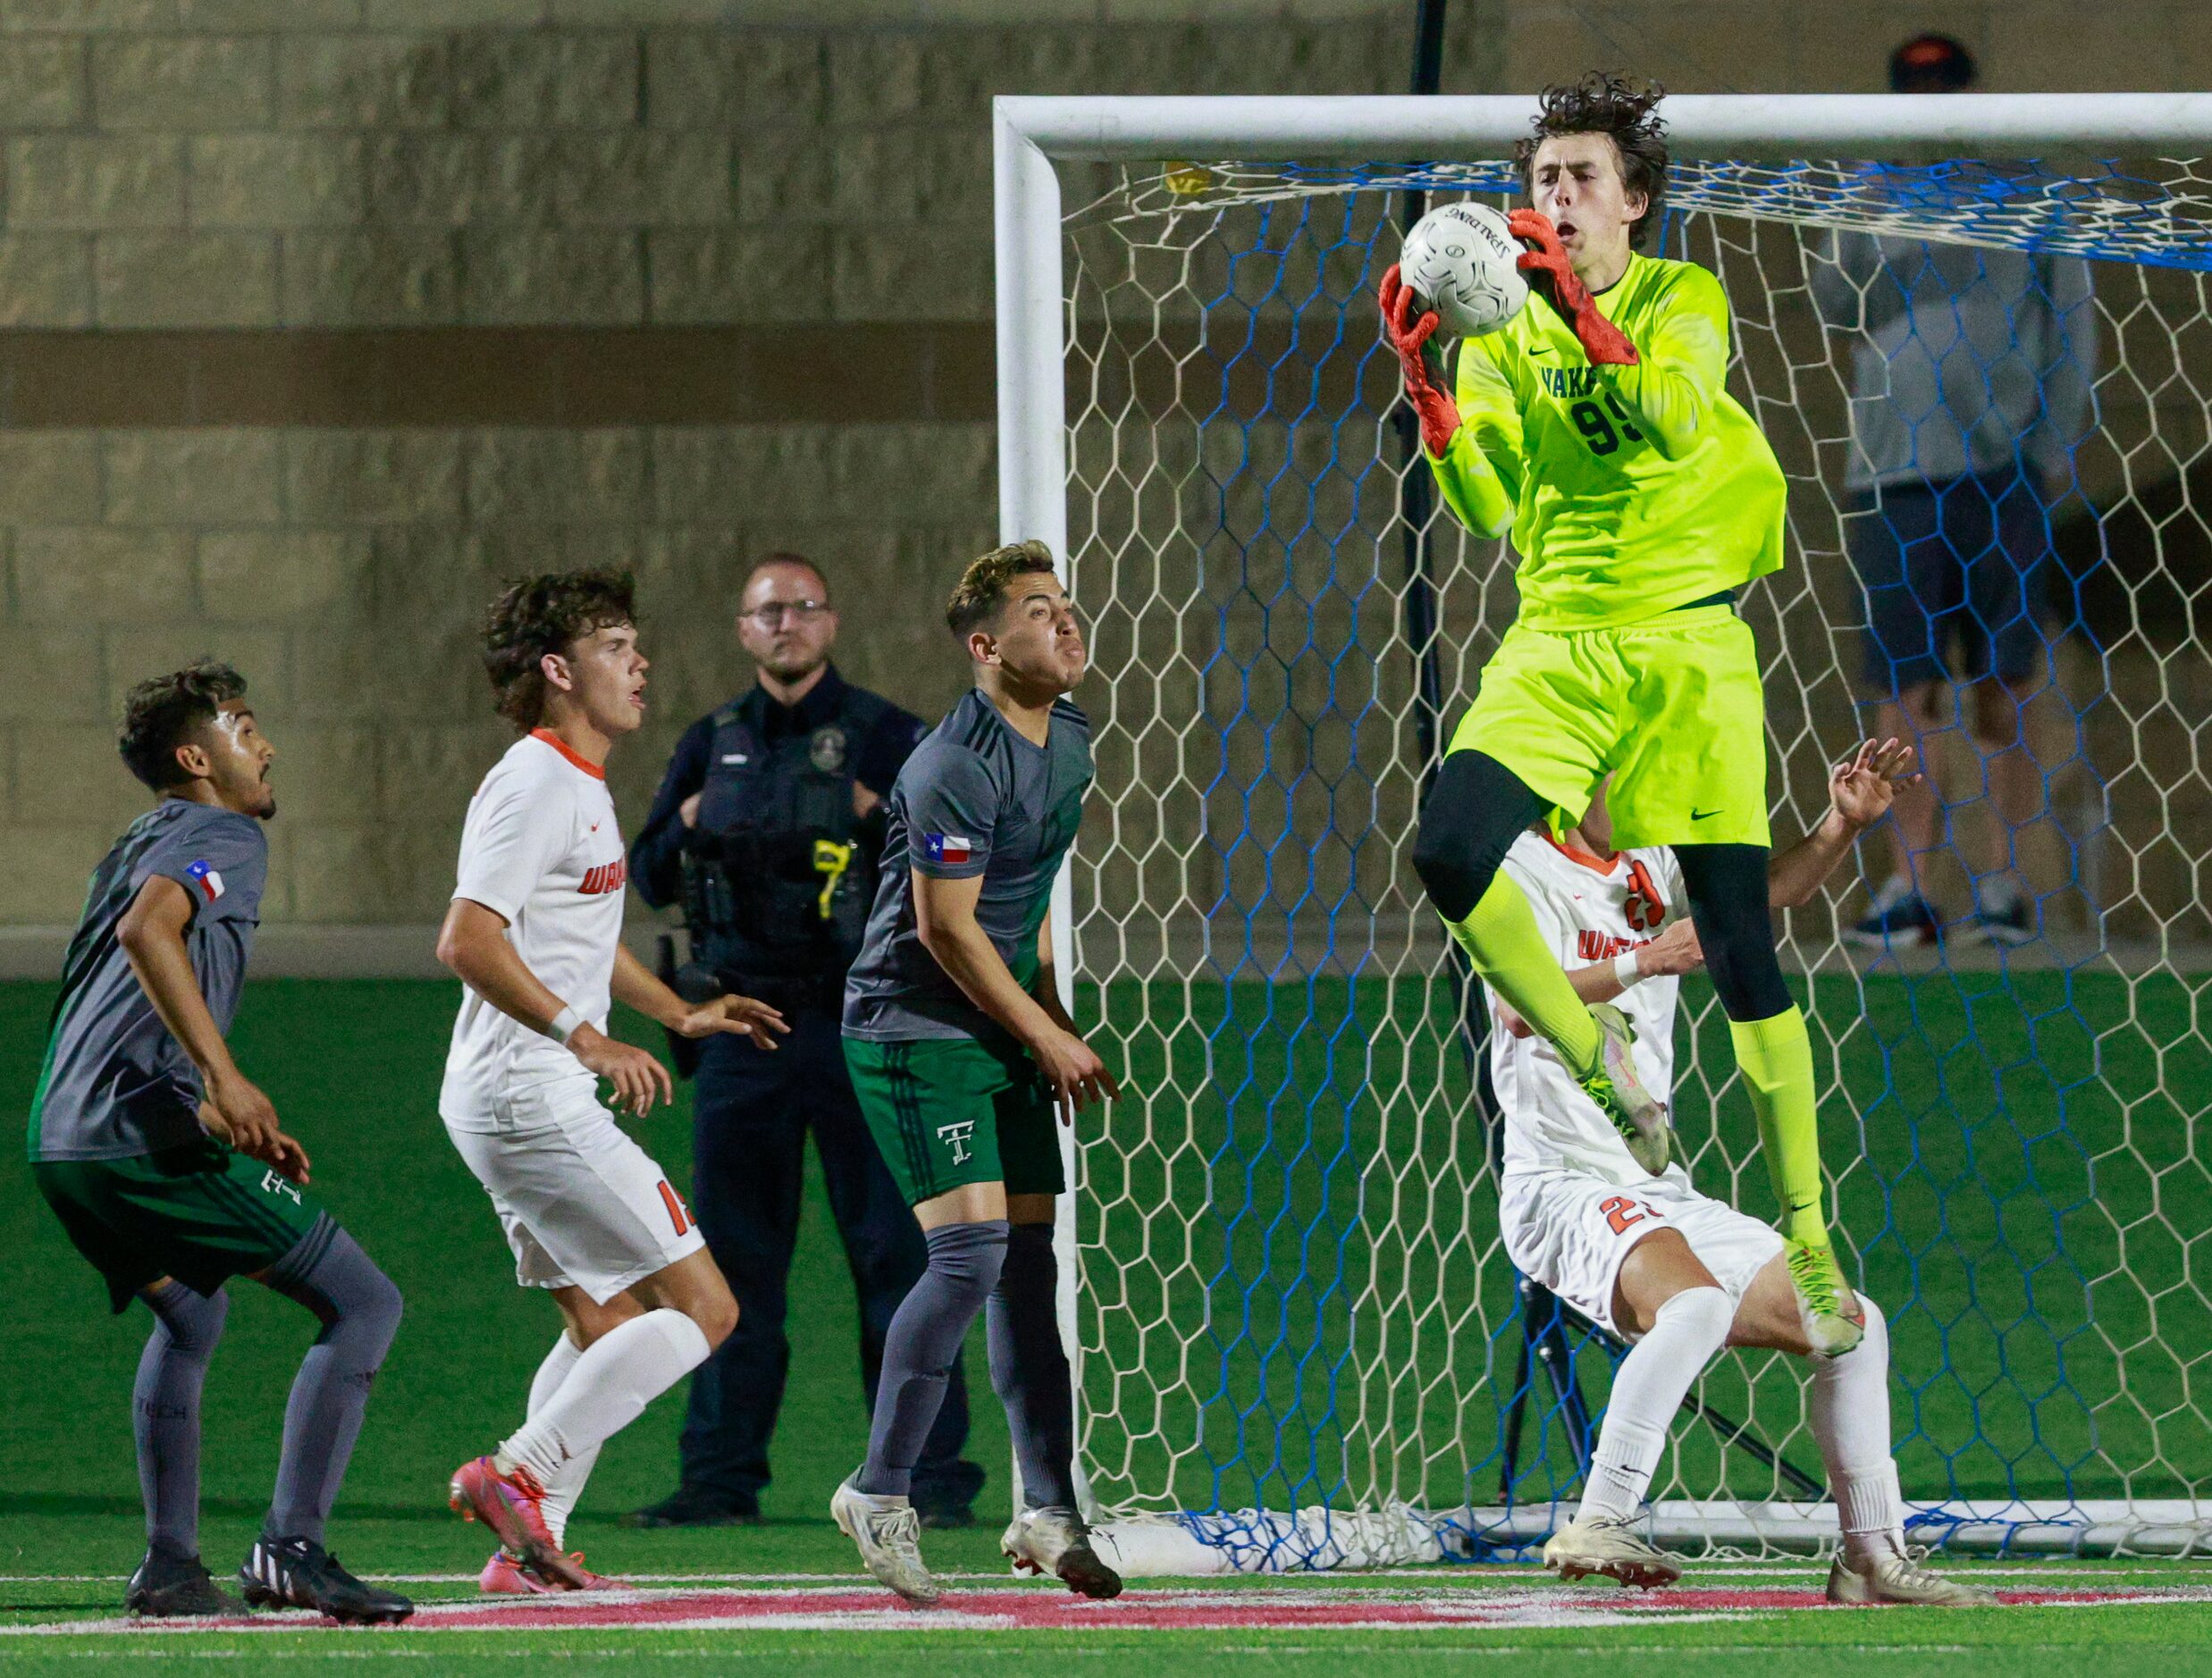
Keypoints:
pixel 1670 708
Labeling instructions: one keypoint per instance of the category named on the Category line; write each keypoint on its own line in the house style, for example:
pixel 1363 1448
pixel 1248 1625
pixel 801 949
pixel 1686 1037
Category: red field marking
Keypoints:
pixel 1015 1608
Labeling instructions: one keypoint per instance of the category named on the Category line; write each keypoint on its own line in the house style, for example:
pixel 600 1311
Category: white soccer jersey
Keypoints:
pixel 541 848
pixel 1588 912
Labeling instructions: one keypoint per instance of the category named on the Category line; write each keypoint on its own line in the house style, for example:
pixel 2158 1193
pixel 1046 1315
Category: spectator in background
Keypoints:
pixel 767 827
pixel 1971 388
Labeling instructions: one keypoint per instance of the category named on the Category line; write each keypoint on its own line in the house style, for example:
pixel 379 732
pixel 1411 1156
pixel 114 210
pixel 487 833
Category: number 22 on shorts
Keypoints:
pixel 1621 1211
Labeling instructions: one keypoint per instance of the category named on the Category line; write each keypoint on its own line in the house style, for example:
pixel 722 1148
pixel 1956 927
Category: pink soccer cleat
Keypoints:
pixel 510 1504
pixel 504 1576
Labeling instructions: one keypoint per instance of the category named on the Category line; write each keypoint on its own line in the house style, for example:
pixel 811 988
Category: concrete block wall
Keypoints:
pixel 318 317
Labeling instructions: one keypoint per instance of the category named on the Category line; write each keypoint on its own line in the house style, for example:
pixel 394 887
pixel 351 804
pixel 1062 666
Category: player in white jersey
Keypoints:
pixel 1674 1271
pixel 534 932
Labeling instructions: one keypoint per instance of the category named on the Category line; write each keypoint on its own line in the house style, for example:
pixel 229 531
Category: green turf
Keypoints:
pixel 2067 1196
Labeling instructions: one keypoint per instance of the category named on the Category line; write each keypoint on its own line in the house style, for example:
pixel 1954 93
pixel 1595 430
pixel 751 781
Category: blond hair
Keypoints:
pixel 982 590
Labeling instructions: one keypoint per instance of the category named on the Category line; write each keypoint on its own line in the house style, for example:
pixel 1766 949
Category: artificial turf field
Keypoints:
pixel 2030 1118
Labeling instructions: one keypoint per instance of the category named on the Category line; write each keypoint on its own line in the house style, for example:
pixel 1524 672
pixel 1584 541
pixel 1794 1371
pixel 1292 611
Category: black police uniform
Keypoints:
pixel 776 877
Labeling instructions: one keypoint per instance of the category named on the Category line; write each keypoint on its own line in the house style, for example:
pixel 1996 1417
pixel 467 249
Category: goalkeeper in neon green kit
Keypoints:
pixel 1597 429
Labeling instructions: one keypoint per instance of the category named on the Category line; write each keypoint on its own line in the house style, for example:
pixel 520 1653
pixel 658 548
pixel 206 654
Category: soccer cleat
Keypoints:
pixel 2011 925
pixel 504 1576
pixel 1829 1312
pixel 1613 1549
pixel 1618 1091
pixel 1897 1576
pixel 1900 917
pixel 888 1534
pixel 299 1573
pixel 1054 1540
pixel 511 1505
pixel 171 1586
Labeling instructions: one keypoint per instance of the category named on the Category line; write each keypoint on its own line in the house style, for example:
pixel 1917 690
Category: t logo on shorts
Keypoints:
pixel 957 1137
pixel 272 1184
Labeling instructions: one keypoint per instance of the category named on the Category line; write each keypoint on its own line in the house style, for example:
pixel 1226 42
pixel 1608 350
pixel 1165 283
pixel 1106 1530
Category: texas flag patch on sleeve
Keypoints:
pixel 948 848
pixel 204 875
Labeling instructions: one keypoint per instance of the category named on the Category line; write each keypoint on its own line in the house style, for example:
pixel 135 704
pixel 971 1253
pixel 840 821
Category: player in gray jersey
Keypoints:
pixel 961 1053
pixel 169 1168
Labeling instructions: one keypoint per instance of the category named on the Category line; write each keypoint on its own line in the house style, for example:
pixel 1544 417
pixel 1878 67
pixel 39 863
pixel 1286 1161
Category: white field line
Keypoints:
pixel 1499 1574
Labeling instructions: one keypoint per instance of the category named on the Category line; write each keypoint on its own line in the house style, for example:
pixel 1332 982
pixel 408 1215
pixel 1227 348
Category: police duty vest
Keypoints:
pixel 789 892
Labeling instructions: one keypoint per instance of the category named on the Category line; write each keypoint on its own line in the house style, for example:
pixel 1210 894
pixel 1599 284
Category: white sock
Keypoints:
pixel 1647 1391
pixel 563 1489
pixel 1850 1414
pixel 613 1381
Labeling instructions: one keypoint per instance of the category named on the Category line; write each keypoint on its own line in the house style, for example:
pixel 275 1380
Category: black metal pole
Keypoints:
pixel 1416 502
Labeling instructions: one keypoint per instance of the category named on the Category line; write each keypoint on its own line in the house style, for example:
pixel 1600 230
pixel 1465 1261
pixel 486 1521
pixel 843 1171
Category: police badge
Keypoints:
pixel 825 749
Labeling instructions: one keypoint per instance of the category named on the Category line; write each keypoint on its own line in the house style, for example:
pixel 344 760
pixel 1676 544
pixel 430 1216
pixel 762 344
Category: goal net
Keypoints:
pixel 1299 1341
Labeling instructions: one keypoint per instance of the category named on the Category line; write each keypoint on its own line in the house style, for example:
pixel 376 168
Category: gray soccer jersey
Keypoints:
pixel 976 799
pixel 115 1084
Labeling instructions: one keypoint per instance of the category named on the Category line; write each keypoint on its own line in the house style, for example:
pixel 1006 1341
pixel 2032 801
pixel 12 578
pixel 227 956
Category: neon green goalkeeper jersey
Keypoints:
pixel 1629 490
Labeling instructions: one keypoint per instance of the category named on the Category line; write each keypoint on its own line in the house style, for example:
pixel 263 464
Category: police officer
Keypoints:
pixel 767 827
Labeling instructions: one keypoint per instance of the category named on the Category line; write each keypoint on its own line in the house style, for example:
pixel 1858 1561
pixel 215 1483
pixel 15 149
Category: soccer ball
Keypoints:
pixel 1461 260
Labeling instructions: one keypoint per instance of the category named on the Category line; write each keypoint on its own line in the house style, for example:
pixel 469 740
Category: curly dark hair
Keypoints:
pixel 163 712
pixel 1605 102
pixel 547 614
pixel 982 590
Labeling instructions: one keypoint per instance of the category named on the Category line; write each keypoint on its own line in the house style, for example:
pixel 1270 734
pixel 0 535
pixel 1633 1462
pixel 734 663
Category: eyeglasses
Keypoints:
pixel 772 614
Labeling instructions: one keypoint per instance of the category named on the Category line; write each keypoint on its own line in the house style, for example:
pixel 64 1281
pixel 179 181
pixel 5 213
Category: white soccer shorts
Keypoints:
pixel 581 1204
pixel 1570 1231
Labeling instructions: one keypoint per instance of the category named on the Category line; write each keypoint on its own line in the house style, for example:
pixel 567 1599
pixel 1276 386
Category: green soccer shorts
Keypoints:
pixel 1670 708
pixel 202 1214
pixel 946 1111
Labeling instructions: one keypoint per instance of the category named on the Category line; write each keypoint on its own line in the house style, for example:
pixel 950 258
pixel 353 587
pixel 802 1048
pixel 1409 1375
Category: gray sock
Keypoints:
pixel 1030 1367
pixel 361 1308
pixel 165 1411
pixel 919 1350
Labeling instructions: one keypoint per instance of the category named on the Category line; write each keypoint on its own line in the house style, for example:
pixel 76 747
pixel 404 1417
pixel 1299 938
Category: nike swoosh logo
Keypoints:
pixel 1700 815
pixel 1540 349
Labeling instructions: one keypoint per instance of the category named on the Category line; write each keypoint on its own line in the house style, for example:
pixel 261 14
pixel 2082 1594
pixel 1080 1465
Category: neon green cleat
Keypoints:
pixel 1829 1312
pixel 1618 1091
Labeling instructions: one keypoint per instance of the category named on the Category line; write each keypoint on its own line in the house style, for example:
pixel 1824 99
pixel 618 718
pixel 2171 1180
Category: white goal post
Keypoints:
pixel 1396 1489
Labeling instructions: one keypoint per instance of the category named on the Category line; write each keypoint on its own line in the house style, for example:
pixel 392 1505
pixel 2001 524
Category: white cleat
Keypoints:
pixel 1612 1548
pixel 1618 1089
pixel 888 1534
pixel 1894 1576
pixel 1055 1542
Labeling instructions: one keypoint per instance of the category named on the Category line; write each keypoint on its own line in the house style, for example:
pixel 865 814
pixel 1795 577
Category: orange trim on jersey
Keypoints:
pixel 569 753
pixel 1610 866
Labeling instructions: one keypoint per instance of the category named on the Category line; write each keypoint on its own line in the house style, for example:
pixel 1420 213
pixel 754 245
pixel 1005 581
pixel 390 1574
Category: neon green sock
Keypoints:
pixel 1501 939
pixel 1776 1056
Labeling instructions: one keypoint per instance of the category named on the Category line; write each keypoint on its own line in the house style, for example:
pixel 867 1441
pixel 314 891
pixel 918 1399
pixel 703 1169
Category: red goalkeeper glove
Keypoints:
pixel 1408 335
pixel 1550 273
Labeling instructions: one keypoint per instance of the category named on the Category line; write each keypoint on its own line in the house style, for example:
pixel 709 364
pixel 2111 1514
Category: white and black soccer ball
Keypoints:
pixel 1462 261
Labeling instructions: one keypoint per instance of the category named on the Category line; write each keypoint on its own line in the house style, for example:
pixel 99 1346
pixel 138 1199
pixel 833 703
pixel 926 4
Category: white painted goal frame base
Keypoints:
pixel 1194 1546
pixel 1032 136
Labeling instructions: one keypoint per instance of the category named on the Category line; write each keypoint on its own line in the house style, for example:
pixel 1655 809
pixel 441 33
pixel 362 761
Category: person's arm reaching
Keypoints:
pixel 472 944
pixel 1675 951
pixel 152 933
pixel 1860 790
pixel 1472 439
pixel 656 854
pixel 945 921
pixel 1665 388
